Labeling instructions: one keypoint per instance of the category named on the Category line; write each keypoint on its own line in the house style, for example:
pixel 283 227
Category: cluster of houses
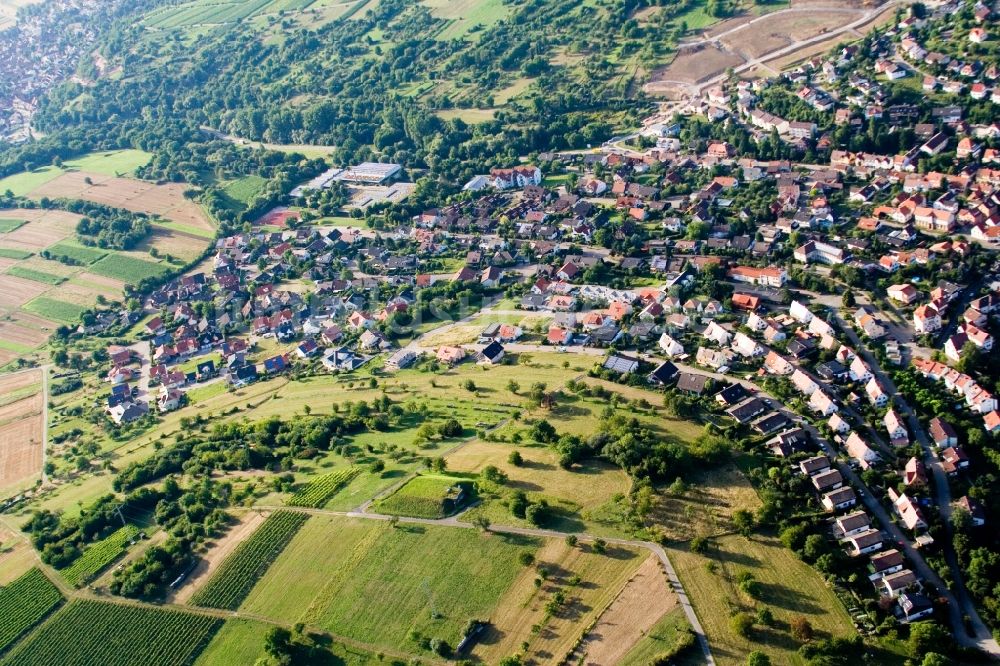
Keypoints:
pixel 979 400
pixel 860 537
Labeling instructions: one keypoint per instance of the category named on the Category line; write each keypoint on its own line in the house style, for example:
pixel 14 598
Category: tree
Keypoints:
pixel 542 432
pixel 925 637
pixel 493 474
pixel 537 513
pixel 278 643
pixel 758 658
pixel 599 546
pixel 743 521
pixel 801 628
pixel 513 386
pixel 935 659
pixel 515 458
pixel 848 299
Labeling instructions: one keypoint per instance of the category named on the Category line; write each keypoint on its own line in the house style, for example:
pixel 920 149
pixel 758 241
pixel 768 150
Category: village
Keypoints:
pixel 828 305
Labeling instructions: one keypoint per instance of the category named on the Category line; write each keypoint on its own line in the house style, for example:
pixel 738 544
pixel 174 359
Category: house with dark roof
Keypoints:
pixel 622 364
pixel 732 394
pixel 690 382
pixel 663 374
pixel 491 354
pixel 745 411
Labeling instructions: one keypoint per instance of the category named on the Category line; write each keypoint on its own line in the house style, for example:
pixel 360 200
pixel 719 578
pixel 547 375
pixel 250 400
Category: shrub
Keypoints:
pixel 741 624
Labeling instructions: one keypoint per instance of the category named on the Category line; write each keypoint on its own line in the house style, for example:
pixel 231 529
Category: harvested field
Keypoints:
pixel 15 291
pixel 217 553
pixel 635 611
pixel 21 432
pixel 16 556
pixel 138 196
pixel 782 29
pixel 43 228
pixel 523 605
pixel 697 64
pixel 25 329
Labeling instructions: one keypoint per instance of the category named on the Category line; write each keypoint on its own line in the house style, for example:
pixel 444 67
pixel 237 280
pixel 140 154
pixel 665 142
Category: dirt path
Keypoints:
pixel 637 608
pixel 216 555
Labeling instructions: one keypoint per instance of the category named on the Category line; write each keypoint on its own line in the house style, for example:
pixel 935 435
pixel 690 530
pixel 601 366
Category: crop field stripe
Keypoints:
pixel 36 276
pixel 127 269
pixel 80 253
pixel 87 633
pixel 24 603
pixel 320 490
pixel 244 567
pixel 8 225
pixel 10 253
pixel 50 308
pixel 99 555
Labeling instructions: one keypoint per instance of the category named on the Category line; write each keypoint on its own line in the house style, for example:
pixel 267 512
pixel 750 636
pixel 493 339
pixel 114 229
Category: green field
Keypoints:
pixel 50 308
pixel 127 269
pixel 318 492
pixel 36 276
pixel 420 497
pixel 244 189
pixel 92 633
pixel 23 603
pixel 368 581
pixel 240 642
pixel 203 12
pixel 237 575
pixel 98 555
pixel 76 252
pixel 10 253
pixel 8 225
pixel 24 182
pixel 464 15
pixel 113 163
pixel 662 639
pixel 789 588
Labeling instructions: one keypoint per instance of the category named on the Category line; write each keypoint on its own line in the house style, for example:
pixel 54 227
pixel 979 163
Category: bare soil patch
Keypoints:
pixel 780 30
pixel 697 64
pixel 20 441
pixel 637 608
pixel 138 196
pixel 19 380
pixel 15 291
pixel 43 228
pixel 216 554
pixel 16 556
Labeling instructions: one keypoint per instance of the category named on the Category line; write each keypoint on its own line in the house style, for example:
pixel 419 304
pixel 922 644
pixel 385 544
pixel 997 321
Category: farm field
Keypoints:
pixel 665 636
pixel 523 605
pixel 241 642
pixel 16 556
pixel 217 551
pixel 375 583
pixel 23 603
pixel 790 588
pixel 94 632
pixel 421 497
pixel 21 430
pixel 38 294
pixel 637 609
pixel 464 16
pixel 240 571
pixel 99 555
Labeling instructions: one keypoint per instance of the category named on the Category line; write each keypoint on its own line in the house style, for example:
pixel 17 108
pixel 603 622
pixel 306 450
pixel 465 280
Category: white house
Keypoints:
pixel 670 346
